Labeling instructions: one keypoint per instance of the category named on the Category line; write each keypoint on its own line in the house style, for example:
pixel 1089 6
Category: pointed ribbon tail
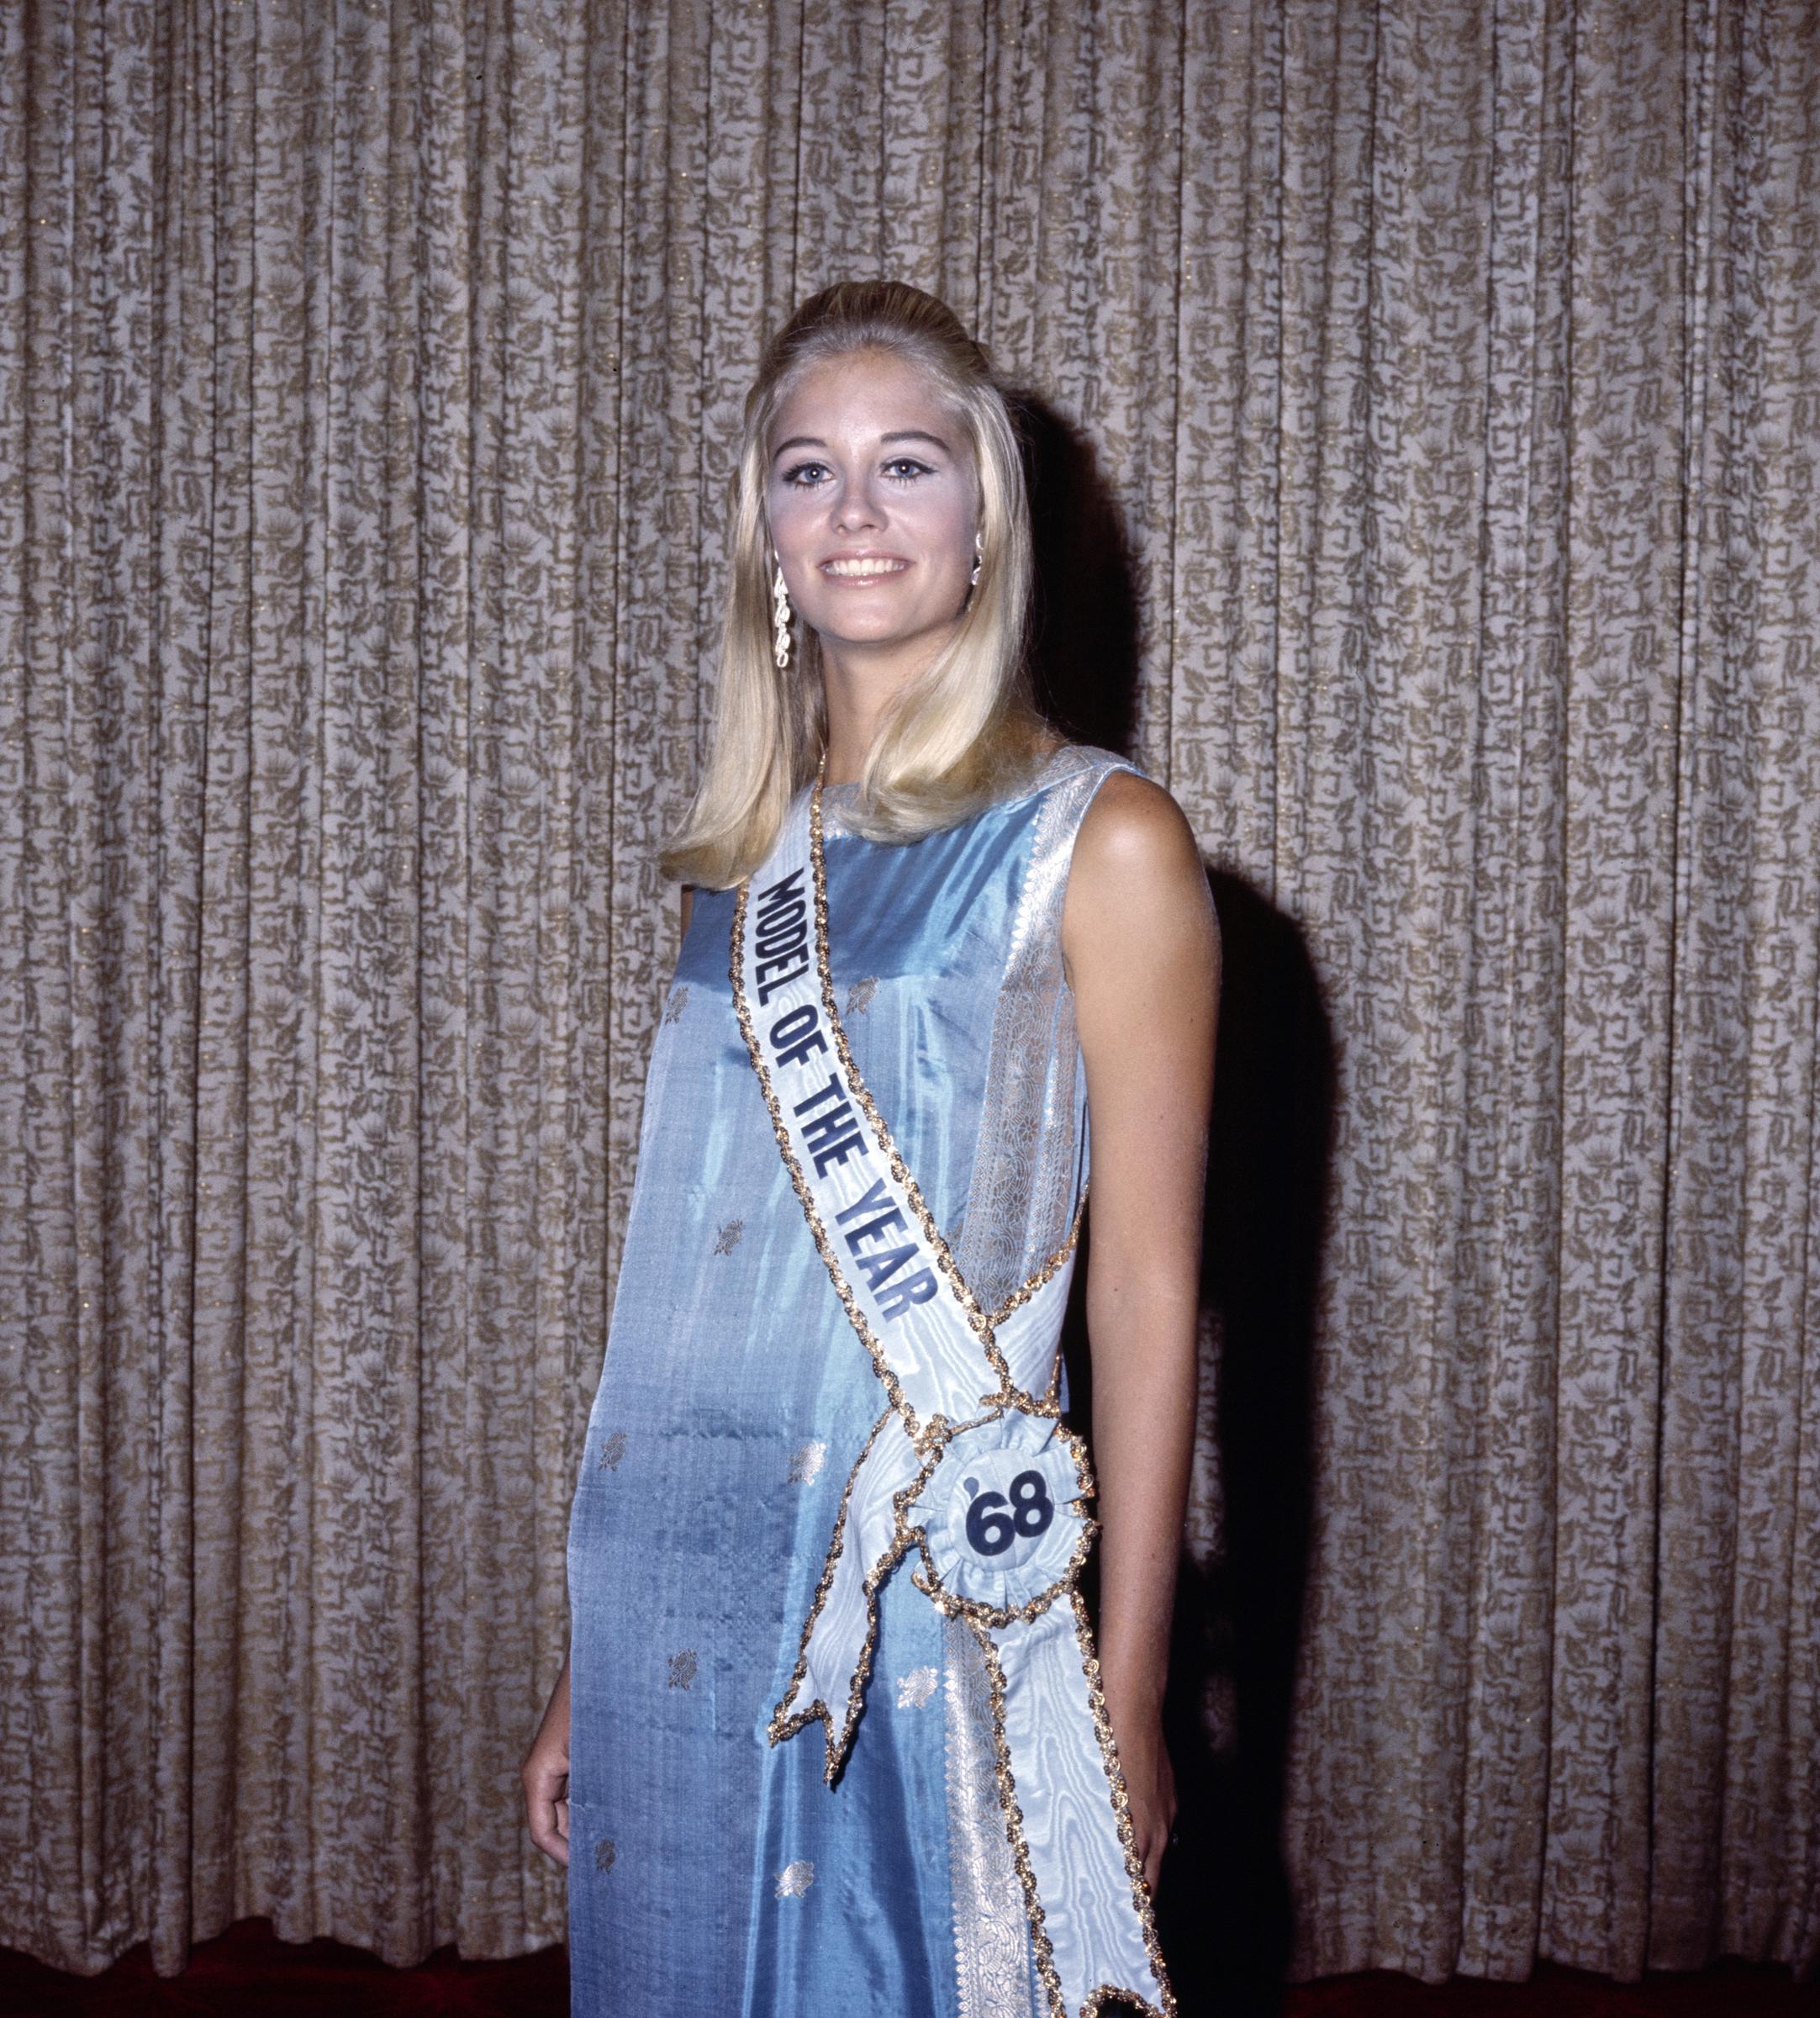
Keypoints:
pixel 835 1656
pixel 1089 1910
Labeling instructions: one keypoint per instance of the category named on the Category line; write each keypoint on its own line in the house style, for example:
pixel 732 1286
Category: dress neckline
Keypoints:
pixel 1049 770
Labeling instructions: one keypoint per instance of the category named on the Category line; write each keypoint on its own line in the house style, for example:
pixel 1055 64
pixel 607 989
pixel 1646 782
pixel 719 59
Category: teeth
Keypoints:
pixel 864 566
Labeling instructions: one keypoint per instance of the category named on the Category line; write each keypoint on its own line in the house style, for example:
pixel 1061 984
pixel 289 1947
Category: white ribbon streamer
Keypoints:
pixel 967 1468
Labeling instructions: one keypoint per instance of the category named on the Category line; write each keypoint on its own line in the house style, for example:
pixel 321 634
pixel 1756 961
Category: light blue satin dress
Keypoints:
pixel 713 1874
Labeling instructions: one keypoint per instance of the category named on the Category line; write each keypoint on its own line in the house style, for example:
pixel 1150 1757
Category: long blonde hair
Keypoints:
pixel 967 724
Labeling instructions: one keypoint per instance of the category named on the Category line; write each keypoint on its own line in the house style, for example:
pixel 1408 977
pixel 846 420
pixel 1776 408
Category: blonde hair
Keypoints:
pixel 967 724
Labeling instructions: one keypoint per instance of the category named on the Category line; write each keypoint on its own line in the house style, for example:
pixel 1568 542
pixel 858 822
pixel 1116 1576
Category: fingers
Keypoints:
pixel 545 1776
pixel 546 1810
pixel 1152 1829
pixel 549 1824
pixel 1152 1844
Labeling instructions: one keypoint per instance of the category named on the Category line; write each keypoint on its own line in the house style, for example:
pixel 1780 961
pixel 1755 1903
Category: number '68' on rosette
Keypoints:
pixel 1004 1528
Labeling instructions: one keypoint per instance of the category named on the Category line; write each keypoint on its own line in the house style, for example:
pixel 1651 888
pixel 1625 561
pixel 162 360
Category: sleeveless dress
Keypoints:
pixel 711 1872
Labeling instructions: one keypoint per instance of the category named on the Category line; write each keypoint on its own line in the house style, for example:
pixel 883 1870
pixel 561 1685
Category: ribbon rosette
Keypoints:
pixel 1004 1528
pixel 996 1510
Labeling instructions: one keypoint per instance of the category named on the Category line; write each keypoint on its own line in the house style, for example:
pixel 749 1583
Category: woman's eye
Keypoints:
pixel 806 474
pixel 906 466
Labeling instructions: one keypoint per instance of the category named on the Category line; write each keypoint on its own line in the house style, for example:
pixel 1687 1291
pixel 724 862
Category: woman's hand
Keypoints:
pixel 1149 1786
pixel 547 1776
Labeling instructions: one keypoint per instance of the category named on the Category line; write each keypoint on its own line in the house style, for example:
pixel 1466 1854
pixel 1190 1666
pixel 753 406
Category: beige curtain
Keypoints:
pixel 367 374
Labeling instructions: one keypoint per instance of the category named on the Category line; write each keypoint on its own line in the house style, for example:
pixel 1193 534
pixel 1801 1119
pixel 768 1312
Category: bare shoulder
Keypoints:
pixel 1134 829
pixel 1138 889
pixel 1141 950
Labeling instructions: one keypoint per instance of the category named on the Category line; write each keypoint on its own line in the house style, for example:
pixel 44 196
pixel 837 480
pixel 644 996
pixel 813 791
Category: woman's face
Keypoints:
pixel 870 492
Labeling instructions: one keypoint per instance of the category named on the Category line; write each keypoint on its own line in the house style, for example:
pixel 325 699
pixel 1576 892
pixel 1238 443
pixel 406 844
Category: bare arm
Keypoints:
pixel 1142 952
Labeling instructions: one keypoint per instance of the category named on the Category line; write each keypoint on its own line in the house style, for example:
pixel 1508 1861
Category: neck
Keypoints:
pixel 858 687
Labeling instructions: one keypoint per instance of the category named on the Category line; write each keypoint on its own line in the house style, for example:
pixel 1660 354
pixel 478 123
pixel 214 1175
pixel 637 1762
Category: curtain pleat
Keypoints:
pixel 1445 380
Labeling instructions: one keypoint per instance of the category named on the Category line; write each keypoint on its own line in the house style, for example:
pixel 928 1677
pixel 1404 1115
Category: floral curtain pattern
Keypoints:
pixel 367 377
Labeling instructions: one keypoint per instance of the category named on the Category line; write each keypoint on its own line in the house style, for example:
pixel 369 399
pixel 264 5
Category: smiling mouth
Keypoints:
pixel 865 570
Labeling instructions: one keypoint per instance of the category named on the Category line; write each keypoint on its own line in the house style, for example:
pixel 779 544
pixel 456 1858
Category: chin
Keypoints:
pixel 885 628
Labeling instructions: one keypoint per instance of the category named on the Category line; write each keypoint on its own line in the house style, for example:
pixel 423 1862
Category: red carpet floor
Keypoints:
pixel 246 1971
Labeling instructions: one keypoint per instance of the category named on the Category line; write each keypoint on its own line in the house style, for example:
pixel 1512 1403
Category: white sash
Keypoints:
pixel 966 1467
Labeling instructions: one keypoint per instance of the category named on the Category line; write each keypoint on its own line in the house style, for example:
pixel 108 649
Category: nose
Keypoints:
pixel 856 509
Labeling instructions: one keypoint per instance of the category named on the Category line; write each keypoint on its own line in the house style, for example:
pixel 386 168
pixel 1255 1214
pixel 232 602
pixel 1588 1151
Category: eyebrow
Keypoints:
pixel 902 434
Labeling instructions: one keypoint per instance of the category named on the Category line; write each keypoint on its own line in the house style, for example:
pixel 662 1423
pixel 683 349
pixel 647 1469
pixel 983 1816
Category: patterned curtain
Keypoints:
pixel 1449 379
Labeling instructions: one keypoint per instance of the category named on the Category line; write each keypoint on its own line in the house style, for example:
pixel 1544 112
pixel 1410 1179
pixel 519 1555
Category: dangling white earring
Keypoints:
pixel 980 559
pixel 780 618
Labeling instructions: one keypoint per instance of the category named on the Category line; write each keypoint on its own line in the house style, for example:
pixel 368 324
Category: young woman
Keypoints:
pixel 833 1741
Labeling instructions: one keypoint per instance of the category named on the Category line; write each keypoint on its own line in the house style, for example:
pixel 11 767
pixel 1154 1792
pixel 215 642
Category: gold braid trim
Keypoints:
pixel 1025 1290
pixel 781 1727
pixel 977 1320
pixel 1050 1403
pixel 1122 1810
pixel 928 1579
pixel 880 1364
pixel 1042 1951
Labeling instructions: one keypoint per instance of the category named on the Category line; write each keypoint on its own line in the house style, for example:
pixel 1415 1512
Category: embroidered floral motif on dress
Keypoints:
pixel 914 1689
pixel 806 1463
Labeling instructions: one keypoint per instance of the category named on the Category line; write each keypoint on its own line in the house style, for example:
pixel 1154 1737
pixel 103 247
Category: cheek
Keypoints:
pixel 790 512
pixel 946 530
